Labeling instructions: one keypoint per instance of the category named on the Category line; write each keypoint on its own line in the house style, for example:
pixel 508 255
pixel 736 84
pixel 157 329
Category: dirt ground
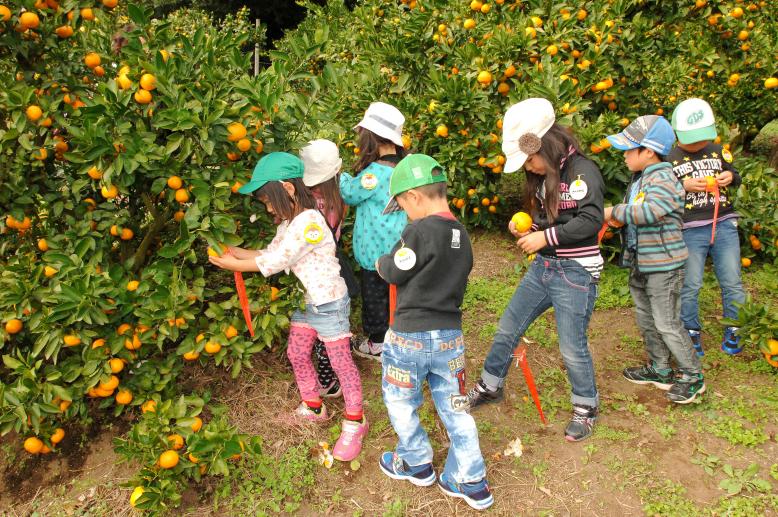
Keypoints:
pixel 647 456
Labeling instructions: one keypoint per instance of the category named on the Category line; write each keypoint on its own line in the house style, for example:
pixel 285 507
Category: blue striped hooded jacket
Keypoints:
pixel 657 215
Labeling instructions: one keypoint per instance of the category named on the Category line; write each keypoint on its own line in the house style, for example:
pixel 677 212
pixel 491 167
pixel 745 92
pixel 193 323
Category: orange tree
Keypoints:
pixel 122 142
pixel 453 67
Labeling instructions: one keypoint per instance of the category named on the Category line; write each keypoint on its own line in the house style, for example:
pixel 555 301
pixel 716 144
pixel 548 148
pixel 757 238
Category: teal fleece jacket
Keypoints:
pixel 374 233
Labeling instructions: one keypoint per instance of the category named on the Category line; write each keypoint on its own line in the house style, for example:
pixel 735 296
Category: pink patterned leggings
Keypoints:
pixel 301 341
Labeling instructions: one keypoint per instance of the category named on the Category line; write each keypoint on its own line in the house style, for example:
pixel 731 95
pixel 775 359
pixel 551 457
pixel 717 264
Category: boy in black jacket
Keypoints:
pixel 429 267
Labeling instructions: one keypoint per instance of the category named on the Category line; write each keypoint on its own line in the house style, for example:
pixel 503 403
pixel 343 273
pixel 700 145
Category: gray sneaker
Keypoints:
pixel 581 426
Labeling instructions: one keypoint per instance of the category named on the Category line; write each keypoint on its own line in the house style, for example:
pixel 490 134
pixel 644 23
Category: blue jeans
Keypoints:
pixel 437 356
pixel 725 253
pixel 330 320
pixel 571 290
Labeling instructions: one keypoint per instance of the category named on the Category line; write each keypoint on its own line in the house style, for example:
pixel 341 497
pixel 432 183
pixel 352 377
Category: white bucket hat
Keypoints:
pixel 385 121
pixel 321 160
pixel 524 124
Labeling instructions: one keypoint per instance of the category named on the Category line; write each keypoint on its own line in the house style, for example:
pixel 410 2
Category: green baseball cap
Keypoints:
pixel 273 167
pixel 415 170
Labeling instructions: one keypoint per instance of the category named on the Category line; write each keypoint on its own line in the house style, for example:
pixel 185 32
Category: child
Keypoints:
pixel 381 147
pixel 304 245
pixel 564 194
pixel 429 266
pixel 695 158
pixel 654 249
pixel 322 164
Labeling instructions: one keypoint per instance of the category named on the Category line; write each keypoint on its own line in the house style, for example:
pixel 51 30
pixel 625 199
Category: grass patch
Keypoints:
pixel 668 500
pixel 614 288
pixel 265 484
pixel 610 434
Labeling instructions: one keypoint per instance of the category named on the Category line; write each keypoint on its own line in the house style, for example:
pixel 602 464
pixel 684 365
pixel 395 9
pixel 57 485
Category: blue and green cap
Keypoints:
pixel 273 167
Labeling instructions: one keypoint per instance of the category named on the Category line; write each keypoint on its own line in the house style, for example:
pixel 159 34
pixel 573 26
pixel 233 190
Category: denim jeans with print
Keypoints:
pixel 725 252
pixel 437 356
pixel 657 298
pixel 571 290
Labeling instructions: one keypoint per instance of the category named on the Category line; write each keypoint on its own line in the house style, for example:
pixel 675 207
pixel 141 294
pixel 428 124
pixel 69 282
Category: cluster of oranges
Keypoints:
pixel 238 134
pixel 211 347
pixel 489 203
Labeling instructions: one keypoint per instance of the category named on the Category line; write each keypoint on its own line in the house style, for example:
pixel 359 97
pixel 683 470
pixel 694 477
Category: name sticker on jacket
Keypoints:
pixel 404 258
pixel 313 234
pixel 639 198
pixel 369 181
pixel 578 189
pixel 726 155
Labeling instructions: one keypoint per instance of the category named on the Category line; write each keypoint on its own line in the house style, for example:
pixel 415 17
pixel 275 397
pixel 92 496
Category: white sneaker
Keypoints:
pixel 369 349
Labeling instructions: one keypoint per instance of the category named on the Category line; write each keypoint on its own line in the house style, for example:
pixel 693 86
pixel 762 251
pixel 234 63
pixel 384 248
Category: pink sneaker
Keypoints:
pixel 303 412
pixel 349 445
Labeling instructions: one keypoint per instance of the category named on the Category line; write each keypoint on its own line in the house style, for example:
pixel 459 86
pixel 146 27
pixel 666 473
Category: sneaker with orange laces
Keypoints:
pixel 349 445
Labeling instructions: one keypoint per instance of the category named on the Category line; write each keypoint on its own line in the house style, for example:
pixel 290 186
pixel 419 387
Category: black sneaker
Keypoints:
pixel 582 424
pixel 480 394
pixel 647 375
pixel 686 388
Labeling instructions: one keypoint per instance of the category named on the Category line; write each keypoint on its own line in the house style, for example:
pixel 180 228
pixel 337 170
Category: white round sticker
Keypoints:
pixel 369 181
pixel 405 258
pixel 578 189
pixel 313 233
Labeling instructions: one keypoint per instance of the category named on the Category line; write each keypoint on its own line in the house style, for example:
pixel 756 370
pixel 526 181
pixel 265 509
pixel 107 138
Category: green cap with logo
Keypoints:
pixel 274 167
pixel 415 170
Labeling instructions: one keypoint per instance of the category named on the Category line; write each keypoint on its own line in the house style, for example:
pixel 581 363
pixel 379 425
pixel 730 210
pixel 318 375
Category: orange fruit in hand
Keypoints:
pixel 710 182
pixel 168 459
pixel 522 221
pixel 33 445
pixel 13 326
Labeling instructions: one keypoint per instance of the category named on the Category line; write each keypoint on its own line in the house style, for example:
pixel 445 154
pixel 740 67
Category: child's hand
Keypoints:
pixel 533 242
pixel 227 261
pixel 237 252
pixel 724 179
pixel 608 212
pixel 512 229
pixel 695 185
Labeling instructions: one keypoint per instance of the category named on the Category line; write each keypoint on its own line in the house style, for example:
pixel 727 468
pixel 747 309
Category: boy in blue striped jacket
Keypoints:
pixel 654 249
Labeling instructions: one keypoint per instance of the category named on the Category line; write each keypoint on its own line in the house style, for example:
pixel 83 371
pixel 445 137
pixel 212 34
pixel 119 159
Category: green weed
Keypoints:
pixel 603 432
pixel 668 500
pixel 266 484
pixel 739 480
pixel 614 289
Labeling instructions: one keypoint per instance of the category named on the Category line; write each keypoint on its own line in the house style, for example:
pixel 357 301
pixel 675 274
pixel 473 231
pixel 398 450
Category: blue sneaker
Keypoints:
pixel 396 468
pixel 731 342
pixel 478 495
pixel 696 341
